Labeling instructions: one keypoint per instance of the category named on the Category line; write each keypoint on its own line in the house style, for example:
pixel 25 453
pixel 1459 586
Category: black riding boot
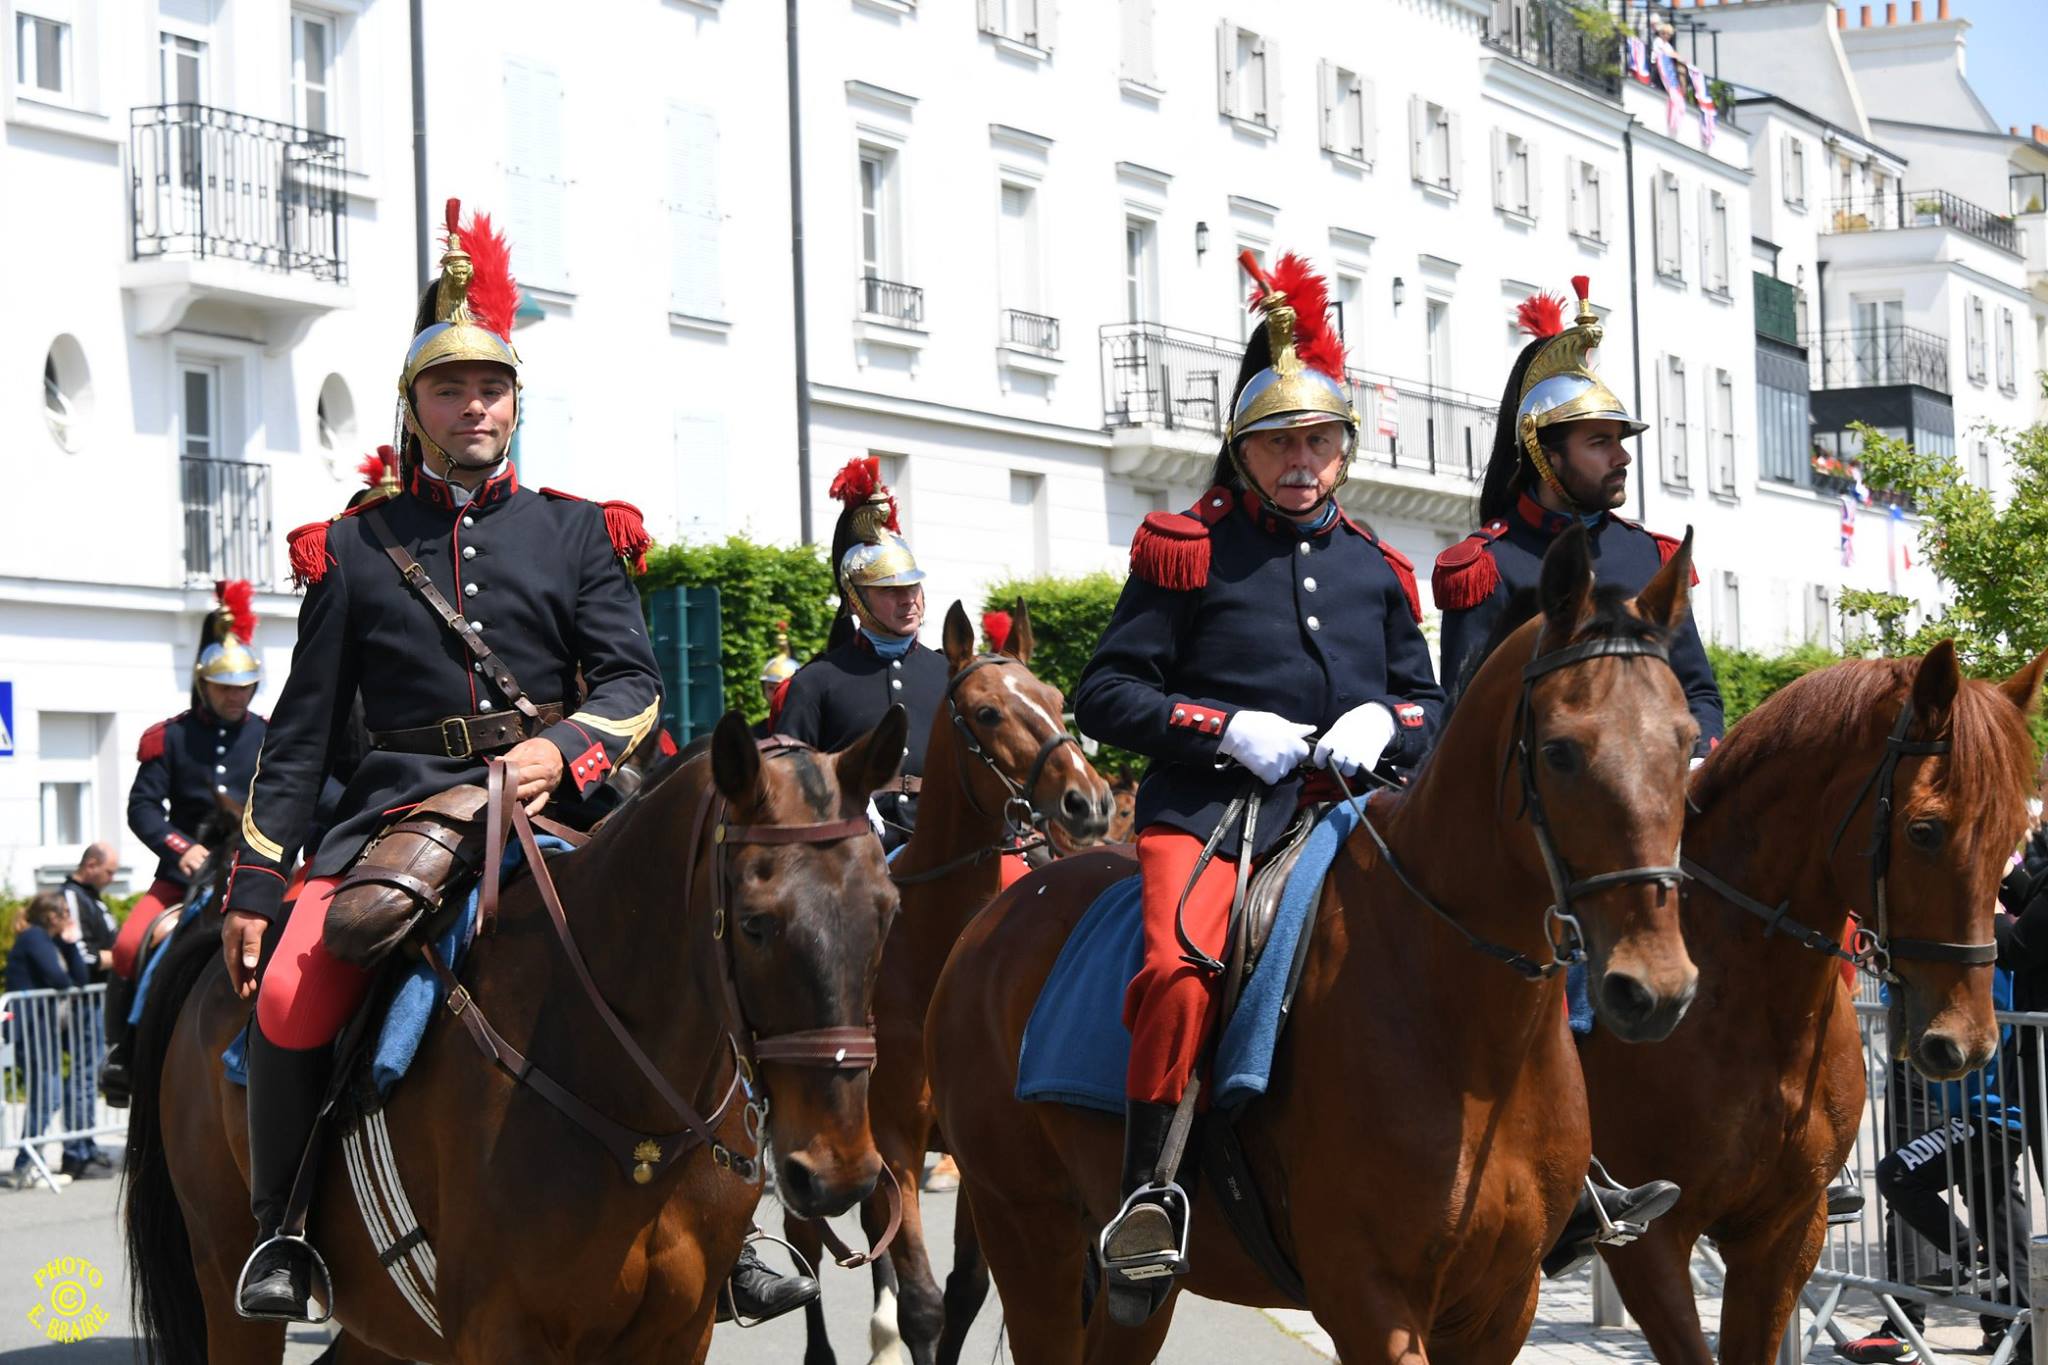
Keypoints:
pixel 1629 1211
pixel 115 1081
pixel 285 1089
pixel 1144 1247
pixel 755 1293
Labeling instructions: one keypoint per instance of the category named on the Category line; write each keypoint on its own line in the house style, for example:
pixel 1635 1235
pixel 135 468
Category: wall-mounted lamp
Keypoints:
pixel 1201 240
pixel 1400 291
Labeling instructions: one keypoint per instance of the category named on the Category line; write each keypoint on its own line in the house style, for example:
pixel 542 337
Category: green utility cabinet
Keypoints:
pixel 683 624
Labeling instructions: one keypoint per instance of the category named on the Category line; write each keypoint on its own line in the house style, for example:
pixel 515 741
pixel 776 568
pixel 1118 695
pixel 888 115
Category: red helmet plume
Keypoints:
pixel 1541 315
pixel 1316 343
pixel 239 597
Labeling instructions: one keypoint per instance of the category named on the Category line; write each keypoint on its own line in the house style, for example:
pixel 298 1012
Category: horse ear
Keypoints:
pixel 1565 588
pixel 1667 597
pixel 2023 689
pixel 1935 684
pixel 959 636
pixel 870 761
pixel 1018 646
pixel 735 759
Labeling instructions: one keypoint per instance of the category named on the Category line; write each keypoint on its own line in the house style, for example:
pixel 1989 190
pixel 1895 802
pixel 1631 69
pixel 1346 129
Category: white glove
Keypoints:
pixel 1271 746
pixel 1358 739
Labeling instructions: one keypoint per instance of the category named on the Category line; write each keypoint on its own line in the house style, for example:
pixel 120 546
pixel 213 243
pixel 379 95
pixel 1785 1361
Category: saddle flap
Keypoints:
pixel 1268 881
pixel 405 874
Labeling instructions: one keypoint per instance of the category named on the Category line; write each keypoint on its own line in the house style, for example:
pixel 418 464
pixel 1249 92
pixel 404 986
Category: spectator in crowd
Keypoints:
pixel 97 927
pixel 97 931
pixel 46 956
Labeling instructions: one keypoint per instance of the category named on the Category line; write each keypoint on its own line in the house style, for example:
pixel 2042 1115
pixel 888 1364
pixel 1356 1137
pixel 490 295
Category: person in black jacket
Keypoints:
pixel 46 957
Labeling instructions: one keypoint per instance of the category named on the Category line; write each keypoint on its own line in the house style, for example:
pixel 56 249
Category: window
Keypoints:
pixel 1973 333
pixel 1246 318
pixel 67 761
pixel 1665 226
pixel 64 808
pixel 1141 270
pixel 334 417
pixel 536 180
pixel 1980 464
pixel 696 284
pixel 1792 173
pixel 199 412
pixel 1017 249
pixel 313 71
pixel 1347 113
pixel 1820 617
pixel 2006 378
pixel 1023 21
pixel 1728 613
pixel 1877 350
pixel 1137 43
pixel 1588 202
pixel 67 393
pixel 1027 496
pixel 1350 310
pixel 1436 343
pixel 42 55
pixel 1433 142
pixel 1672 434
pixel 1714 242
pixel 1784 450
pixel 1514 174
pixel 1245 88
pixel 183 69
pixel 881 258
pixel 1721 431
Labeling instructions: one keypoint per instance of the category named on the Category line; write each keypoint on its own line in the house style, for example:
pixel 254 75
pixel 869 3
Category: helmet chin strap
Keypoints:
pixel 1324 496
pixel 1544 470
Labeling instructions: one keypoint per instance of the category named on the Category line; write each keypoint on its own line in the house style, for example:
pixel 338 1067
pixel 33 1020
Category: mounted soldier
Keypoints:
pixel 190 765
pixel 873 659
pixel 1260 631
pixel 775 677
pixel 1559 457
pixel 544 603
pixel 1559 460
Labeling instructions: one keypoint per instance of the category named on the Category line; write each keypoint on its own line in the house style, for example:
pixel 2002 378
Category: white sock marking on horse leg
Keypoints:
pixel 884 1340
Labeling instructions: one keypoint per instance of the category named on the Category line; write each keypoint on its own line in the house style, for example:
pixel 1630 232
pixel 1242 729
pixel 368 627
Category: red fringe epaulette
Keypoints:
pixel 1465 575
pixel 1171 549
pixel 624 524
pixel 308 553
pixel 1404 569
pixel 152 744
pixel 1667 546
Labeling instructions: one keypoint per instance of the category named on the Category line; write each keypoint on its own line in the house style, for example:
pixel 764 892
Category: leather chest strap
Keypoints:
pixel 416 578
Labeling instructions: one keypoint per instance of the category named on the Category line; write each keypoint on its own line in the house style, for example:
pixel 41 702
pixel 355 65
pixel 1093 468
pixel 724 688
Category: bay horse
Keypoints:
pixel 1424 1135
pixel 999 767
pixel 1752 1103
pixel 725 921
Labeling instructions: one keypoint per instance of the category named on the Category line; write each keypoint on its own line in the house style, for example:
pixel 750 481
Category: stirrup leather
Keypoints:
pixel 1170 1202
pixel 319 1291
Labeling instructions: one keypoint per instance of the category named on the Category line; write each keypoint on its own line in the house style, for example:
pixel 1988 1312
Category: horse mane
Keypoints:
pixel 1851 705
pixel 1611 620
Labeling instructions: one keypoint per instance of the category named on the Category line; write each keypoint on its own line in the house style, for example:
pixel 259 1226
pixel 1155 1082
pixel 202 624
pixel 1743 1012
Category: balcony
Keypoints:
pixel 901 305
pixel 1548 36
pixel 227 521
pixel 1166 395
pixel 1878 357
pixel 1901 208
pixel 1031 331
pixel 237 211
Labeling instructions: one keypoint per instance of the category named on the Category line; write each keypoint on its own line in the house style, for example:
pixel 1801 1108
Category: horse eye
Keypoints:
pixel 756 928
pixel 1561 756
pixel 761 869
pixel 988 715
pixel 1925 835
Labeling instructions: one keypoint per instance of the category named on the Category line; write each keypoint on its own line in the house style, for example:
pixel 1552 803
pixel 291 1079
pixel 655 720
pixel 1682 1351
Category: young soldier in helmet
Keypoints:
pixel 873 659
pixel 1260 632
pixel 775 676
pixel 1558 458
pixel 189 764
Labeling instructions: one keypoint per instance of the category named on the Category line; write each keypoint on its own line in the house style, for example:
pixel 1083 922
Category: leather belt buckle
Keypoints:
pixel 453 727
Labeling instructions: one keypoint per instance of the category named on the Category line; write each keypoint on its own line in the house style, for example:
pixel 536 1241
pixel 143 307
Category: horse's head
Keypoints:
pixel 1124 791
pixel 806 922
pixel 1031 771
pixel 1956 812
pixel 1602 748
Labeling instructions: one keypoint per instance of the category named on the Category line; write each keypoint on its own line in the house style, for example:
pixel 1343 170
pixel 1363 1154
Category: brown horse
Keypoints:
pixel 1424 1135
pixel 743 883
pixel 997 742
pixel 1752 1103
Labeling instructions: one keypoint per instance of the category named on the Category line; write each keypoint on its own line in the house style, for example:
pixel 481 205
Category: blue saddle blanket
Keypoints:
pixel 1076 1048
pixel 156 955
pixel 419 993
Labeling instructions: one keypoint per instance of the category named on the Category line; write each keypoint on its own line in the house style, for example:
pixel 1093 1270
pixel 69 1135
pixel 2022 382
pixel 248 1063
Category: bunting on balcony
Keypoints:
pixel 1666 59
pixel 1848 529
pixel 1638 59
pixel 1710 112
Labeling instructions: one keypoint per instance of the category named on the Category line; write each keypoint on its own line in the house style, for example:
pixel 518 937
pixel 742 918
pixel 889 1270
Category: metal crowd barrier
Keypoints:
pixel 51 1043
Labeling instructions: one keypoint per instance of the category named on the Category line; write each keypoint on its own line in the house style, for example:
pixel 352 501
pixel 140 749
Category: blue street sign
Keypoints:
pixel 6 720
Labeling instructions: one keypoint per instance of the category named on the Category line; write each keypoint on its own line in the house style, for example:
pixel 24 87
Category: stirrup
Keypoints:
pixel 1172 1201
pixel 320 1287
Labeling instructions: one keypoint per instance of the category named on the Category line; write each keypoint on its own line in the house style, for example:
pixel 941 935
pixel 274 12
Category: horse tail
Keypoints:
pixel 164 1288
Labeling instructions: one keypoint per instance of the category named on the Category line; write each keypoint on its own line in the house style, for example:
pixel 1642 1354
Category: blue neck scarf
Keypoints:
pixel 1321 521
pixel 889 646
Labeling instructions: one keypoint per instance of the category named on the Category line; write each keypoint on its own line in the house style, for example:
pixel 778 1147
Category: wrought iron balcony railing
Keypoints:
pixel 1874 357
pixel 899 303
pixel 1902 208
pixel 227 520
pixel 1546 35
pixel 208 182
pixel 1033 330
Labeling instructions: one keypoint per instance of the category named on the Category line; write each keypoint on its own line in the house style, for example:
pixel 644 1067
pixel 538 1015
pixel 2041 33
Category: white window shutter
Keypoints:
pixel 1706 237
pixel 1574 202
pixel 1270 51
pixel 1226 67
pixel 1138 62
pixel 1368 119
pixel 1500 169
pixel 988 15
pixel 696 286
pixel 1535 180
pixel 1048 24
pixel 1332 101
pixel 1418 135
pixel 1785 167
pixel 536 190
pixel 1457 151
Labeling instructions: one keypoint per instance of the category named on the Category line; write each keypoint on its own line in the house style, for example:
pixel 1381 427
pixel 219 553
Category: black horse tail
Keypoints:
pixel 164 1291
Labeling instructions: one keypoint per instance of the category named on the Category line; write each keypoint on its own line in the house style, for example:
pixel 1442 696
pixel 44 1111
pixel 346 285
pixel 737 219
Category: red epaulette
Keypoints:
pixel 1465 575
pixel 308 547
pixel 624 524
pixel 1171 549
pixel 152 745
pixel 1667 546
pixel 1404 569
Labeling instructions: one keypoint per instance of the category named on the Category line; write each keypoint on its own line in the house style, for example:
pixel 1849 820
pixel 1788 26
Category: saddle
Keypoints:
pixel 406 874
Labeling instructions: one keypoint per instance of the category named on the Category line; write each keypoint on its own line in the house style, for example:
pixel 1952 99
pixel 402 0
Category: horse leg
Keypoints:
pixel 917 1313
pixel 1654 1275
pixel 884 1340
pixel 346 1350
pixel 1109 1344
pixel 1766 1270
pixel 1368 1322
pixel 966 1284
pixel 1037 1249
pixel 232 1339
pixel 809 1245
pixel 1499 1339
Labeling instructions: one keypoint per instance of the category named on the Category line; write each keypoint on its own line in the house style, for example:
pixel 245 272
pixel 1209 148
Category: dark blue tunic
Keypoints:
pixel 187 763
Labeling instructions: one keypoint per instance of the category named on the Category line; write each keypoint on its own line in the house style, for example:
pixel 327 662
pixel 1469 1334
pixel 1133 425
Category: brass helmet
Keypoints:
pixel 868 549
pixel 224 639
pixel 1293 369
pixel 466 314
pixel 781 665
pixel 1560 385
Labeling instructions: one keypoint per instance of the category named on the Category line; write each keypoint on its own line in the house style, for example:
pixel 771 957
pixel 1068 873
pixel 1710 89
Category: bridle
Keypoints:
pixel 1022 821
pixel 845 1048
pixel 1561 928
pixel 1873 952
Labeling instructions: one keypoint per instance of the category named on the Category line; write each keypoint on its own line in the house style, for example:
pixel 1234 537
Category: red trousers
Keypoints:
pixel 1169 1005
pixel 161 896
pixel 307 994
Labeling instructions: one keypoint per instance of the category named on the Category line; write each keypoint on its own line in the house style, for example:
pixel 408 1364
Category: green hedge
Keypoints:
pixel 1747 677
pixel 758 586
pixel 1068 615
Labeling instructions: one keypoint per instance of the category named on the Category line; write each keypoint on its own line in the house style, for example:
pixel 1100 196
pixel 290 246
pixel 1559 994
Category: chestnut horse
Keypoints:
pixel 999 765
pixel 1425 1132
pixel 737 906
pixel 1752 1103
